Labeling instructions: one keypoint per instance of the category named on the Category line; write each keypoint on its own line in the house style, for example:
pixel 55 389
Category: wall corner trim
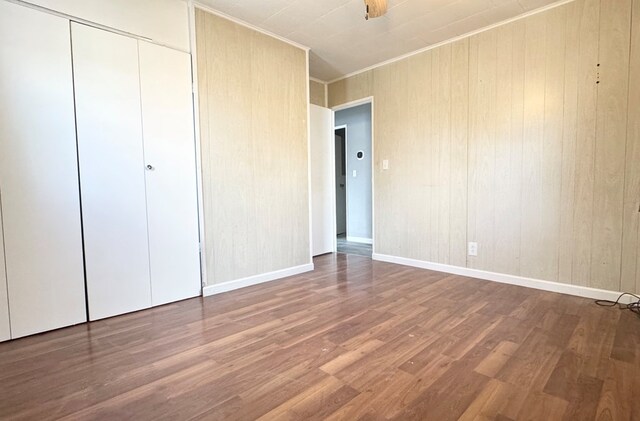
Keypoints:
pixel 256 279
pixel 576 290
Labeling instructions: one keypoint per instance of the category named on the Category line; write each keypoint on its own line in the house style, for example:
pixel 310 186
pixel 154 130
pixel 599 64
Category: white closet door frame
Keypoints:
pixel 38 172
pixel 172 197
pixel 112 173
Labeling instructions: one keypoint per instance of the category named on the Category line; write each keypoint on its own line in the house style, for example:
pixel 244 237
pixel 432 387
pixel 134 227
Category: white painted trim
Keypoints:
pixel 351 104
pixel 360 240
pixel 333 177
pixel 256 279
pixel 346 181
pixel 198 157
pixel 355 103
pixel 326 95
pixel 86 22
pixel 315 79
pixel 452 40
pixel 213 11
pixel 580 291
pixel 373 177
pixel 309 193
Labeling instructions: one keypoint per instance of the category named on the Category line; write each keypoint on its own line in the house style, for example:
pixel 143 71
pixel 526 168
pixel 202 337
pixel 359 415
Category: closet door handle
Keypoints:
pixel 150 167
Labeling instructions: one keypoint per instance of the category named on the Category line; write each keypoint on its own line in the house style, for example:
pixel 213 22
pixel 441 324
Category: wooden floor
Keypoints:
pixel 355 339
pixel 351 247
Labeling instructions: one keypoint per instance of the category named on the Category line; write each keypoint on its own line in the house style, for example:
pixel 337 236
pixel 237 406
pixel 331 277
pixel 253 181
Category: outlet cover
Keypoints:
pixel 473 249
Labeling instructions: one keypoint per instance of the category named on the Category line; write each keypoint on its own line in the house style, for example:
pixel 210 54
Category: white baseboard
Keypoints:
pixel 577 290
pixel 359 240
pixel 254 280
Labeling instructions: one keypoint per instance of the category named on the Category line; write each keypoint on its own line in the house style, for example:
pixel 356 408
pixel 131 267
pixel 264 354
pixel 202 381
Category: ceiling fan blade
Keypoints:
pixel 376 8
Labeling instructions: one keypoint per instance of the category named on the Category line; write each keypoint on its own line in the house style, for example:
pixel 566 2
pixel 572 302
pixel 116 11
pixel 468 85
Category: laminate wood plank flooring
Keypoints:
pixel 354 339
pixel 351 247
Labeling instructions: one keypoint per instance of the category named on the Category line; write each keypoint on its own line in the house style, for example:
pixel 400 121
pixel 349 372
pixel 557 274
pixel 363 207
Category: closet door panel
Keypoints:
pixel 38 172
pixel 172 203
pixel 112 175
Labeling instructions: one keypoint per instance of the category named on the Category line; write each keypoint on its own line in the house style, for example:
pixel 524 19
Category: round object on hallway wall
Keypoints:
pixel 360 155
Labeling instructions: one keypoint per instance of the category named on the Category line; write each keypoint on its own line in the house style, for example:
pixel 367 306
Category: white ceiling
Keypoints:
pixel 342 41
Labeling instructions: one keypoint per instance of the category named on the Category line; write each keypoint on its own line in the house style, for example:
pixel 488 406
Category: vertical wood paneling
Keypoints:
pixel 569 137
pixel 509 129
pixel 611 134
pixel 432 157
pixel 441 83
pixel 253 114
pixel 631 229
pixel 535 149
pixel 317 95
pixel 416 201
pixel 551 160
pixel 534 105
pixel 350 89
pixel 392 92
pixel 585 142
pixel 458 164
pixel 482 147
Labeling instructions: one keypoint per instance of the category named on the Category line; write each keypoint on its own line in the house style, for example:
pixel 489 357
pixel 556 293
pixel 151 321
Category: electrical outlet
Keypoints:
pixel 385 164
pixel 355 173
pixel 473 249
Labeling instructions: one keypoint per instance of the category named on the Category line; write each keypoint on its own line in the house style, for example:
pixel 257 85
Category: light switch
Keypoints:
pixel 354 173
pixel 385 164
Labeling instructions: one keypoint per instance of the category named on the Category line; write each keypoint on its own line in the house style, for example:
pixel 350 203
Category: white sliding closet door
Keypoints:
pixel 112 170
pixel 5 330
pixel 38 172
pixel 172 203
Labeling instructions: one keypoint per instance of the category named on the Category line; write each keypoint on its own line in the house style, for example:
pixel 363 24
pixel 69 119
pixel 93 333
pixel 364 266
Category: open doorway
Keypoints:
pixel 354 179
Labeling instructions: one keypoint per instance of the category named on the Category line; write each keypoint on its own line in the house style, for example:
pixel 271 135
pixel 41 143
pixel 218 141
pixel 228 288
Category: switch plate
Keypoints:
pixel 473 249
pixel 354 173
pixel 385 164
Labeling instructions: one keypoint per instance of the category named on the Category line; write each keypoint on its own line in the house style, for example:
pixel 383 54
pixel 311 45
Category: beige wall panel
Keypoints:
pixel 417 109
pixel 317 94
pixel 551 160
pixel 441 87
pixel 509 129
pixel 505 139
pixel 615 30
pixel 392 140
pixel 482 147
pixel 350 89
pixel 534 105
pixel 254 150
pixel 631 230
pixel 458 164
pixel 585 142
pixel 569 135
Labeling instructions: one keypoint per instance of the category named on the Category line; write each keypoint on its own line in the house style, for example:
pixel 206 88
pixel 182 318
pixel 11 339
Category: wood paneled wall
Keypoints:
pixel 253 134
pixel 317 93
pixel 524 138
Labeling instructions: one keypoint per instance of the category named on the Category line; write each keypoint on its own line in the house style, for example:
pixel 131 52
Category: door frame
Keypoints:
pixel 344 106
pixel 335 182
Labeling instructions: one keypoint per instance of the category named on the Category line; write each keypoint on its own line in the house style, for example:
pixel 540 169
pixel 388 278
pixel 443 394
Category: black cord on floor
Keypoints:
pixel 635 306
